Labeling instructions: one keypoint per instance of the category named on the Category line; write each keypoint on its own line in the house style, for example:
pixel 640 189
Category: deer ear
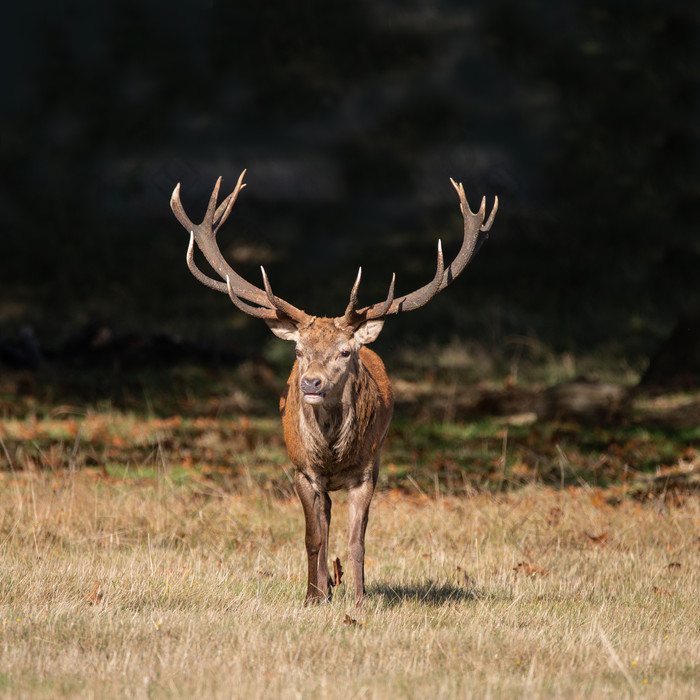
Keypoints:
pixel 369 331
pixel 283 328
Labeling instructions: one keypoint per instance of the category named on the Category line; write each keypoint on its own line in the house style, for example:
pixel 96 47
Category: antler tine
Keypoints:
pixel 350 317
pixel 224 209
pixel 377 311
pixel 353 318
pixel 178 210
pixel 284 307
pixel 208 281
pixel 355 288
pixel 487 225
pixel 211 207
pixel 255 311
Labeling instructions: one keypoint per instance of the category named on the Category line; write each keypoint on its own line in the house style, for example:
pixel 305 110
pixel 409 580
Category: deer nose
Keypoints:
pixel 311 385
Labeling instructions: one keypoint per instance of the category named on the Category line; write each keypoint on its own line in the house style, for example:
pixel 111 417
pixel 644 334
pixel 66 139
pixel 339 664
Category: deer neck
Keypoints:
pixel 331 431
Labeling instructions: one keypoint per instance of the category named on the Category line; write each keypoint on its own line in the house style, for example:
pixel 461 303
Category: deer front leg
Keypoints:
pixel 359 499
pixel 324 580
pixel 317 515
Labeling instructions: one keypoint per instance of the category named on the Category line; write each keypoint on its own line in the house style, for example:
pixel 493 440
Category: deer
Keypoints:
pixel 338 402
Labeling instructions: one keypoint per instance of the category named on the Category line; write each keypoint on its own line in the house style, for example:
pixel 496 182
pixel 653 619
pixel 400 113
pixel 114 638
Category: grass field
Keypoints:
pixel 155 549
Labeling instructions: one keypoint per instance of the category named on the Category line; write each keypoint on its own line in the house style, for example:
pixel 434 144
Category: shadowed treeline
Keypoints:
pixel 581 117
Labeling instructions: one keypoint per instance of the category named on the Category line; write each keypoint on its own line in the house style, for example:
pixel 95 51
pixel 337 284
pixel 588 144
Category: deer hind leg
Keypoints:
pixel 317 514
pixel 359 499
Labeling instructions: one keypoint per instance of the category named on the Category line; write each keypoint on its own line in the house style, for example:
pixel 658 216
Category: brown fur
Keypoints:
pixel 327 444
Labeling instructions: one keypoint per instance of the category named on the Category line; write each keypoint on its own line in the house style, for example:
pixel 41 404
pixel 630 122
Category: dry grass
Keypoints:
pixel 144 587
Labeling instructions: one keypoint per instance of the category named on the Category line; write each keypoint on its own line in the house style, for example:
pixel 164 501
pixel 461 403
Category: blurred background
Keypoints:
pixel 351 117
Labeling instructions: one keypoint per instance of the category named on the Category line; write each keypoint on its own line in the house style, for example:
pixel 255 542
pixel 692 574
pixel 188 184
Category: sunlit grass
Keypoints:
pixel 142 586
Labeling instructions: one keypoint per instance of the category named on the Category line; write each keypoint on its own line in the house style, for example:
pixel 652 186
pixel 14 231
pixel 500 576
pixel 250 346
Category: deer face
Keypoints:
pixel 327 354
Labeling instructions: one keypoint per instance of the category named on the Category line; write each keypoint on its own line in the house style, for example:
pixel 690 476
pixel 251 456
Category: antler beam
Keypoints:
pixel 444 276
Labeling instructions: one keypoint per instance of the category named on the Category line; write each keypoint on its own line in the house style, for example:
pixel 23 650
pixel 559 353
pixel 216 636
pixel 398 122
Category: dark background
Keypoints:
pixel 350 117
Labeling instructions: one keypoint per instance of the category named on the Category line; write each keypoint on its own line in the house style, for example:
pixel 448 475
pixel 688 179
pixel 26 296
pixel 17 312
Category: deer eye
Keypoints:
pixel 345 353
pixel 298 352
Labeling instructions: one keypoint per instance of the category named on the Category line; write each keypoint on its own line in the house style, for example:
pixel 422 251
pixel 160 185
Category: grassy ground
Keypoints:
pixel 144 587
pixel 151 546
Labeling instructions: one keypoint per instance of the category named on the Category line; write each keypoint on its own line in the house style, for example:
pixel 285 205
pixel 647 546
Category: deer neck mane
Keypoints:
pixel 331 433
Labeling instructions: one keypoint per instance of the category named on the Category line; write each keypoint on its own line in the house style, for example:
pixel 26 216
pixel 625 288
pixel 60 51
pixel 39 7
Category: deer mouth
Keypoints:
pixel 311 397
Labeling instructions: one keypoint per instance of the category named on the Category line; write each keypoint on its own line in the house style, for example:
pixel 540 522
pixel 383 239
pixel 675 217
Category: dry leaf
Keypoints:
pixel 531 570
pixel 95 598
pixel 555 515
pixel 337 572
pixel 598 539
pixel 598 500
pixel 661 591
pixel 349 620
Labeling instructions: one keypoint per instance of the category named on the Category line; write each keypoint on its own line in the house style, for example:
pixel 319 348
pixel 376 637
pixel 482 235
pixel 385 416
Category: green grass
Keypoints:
pixel 447 434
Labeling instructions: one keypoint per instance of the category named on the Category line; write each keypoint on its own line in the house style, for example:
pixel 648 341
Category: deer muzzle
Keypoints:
pixel 313 389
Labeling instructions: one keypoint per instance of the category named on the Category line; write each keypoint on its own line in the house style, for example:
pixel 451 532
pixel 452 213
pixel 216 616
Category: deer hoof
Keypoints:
pixel 317 599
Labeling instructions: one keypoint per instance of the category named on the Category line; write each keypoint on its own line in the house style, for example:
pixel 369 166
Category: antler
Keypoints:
pixel 263 303
pixel 473 225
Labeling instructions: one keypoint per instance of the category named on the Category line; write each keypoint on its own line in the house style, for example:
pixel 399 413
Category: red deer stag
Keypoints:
pixel 338 402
